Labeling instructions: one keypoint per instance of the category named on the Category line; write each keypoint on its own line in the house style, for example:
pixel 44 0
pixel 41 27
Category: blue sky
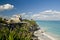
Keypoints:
pixel 26 6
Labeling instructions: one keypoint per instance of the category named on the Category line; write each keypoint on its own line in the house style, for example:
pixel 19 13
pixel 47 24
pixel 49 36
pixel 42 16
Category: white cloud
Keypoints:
pixel 6 6
pixel 24 15
pixel 47 15
pixel 44 15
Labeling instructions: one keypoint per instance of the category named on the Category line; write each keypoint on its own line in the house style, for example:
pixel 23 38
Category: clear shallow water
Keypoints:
pixel 51 27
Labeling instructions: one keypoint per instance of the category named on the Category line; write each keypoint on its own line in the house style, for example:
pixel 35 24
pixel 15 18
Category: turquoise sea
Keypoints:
pixel 51 27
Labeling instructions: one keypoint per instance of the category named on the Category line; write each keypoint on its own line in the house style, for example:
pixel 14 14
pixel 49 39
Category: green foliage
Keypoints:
pixel 19 32
pixel 32 24
pixel 0 19
pixel 11 35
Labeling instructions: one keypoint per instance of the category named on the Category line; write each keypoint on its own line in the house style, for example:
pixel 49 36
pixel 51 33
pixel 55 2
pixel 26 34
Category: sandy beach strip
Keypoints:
pixel 42 35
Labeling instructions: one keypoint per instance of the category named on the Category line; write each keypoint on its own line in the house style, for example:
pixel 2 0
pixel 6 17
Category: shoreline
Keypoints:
pixel 42 35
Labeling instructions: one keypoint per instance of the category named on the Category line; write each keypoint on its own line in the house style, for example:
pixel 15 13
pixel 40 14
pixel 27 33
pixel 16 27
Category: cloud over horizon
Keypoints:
pixel 6 7
pixel 44 15
pixel 47 15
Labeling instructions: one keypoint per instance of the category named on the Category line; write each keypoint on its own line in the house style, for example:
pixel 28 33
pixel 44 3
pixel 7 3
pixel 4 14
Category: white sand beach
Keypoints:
pixel 42 35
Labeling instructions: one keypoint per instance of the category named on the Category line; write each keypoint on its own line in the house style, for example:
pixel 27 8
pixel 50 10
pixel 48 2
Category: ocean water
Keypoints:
pixel 50 27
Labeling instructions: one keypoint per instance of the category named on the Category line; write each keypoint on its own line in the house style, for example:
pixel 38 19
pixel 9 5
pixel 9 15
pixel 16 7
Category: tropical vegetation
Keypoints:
pixel 17 31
